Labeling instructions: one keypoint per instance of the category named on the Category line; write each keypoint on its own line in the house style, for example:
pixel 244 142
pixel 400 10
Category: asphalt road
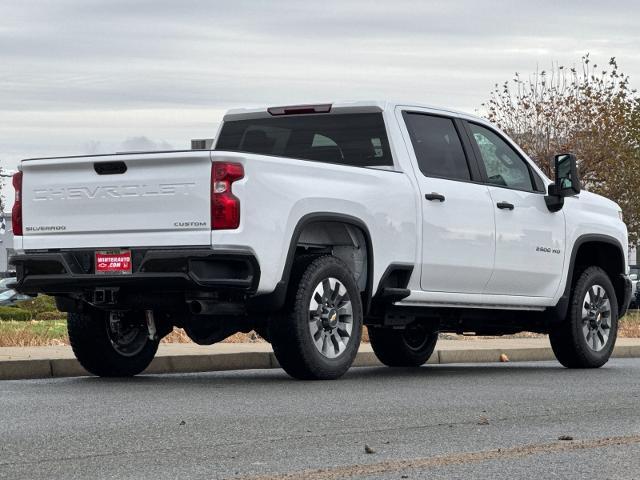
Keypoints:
pixel 441 421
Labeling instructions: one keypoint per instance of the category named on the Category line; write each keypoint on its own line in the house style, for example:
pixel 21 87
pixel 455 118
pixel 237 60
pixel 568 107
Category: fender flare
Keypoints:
pixel 561 308
pixel 275 300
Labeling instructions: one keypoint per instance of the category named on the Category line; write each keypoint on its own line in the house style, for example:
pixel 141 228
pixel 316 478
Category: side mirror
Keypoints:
pixel 567 181
pixel 633 277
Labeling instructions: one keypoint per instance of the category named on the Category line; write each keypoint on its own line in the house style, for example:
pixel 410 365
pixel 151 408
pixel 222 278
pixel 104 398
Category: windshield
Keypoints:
pixel 356 139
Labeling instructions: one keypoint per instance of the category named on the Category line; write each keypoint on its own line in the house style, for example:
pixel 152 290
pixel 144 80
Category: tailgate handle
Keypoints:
pixel 110 168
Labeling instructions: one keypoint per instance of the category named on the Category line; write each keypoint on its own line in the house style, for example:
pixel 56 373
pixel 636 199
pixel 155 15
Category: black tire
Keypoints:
pixel 410 347
pixel 93 347
pixel 263 332
pixel 568 341
pixel 290 335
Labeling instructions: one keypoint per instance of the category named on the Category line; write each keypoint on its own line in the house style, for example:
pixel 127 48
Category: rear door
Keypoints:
pixel 117 200
pixel 530 240
pixel 457 211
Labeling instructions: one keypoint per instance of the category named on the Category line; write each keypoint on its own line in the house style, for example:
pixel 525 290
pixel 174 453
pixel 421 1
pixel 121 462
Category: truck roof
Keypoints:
pixel 360 106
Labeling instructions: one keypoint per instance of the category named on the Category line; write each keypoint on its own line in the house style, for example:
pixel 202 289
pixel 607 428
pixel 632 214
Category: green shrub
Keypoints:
pixel 42 303
pixel 14 313
pixel 51 316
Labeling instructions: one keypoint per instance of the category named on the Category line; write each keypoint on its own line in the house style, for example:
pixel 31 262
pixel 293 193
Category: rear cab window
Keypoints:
pixel 437 146
pixel 354 139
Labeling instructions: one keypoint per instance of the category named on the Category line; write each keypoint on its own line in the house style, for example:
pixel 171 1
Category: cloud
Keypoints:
pixel 131 144
pixel 143 144
pixel 164 70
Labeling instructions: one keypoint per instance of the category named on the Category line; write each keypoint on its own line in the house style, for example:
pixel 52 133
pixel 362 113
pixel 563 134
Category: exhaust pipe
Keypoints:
pixel 195 307
pixel 200 307
pixel 209 307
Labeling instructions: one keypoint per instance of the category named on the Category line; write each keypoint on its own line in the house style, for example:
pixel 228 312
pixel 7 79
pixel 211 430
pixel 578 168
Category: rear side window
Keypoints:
pixel 437 146
pixel 356 139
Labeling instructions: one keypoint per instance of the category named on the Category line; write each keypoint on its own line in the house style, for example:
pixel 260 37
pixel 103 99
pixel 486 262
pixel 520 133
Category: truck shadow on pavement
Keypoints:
pixel 432 373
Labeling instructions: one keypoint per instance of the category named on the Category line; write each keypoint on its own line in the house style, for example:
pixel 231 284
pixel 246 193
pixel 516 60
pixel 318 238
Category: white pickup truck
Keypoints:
pixel 306 223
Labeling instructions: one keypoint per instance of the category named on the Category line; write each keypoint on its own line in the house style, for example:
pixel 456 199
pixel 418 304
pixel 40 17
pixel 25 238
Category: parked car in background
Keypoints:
pixel 634 271
pixel 8 296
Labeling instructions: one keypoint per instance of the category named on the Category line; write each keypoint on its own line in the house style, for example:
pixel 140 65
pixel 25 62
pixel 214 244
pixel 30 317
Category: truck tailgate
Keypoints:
pixel 148 199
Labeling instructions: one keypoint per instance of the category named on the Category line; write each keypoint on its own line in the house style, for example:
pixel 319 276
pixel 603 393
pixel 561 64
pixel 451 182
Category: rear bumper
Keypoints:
pixel 174 269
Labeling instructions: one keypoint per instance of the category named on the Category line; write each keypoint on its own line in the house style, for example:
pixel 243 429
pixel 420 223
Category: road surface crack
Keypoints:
pixel 390 466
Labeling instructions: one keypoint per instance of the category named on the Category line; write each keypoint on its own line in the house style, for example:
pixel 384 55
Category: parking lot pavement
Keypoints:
pixel 439 421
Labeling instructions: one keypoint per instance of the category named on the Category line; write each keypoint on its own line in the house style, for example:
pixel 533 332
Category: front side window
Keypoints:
pixel 355 139
pixel 437 146
pixel 503 165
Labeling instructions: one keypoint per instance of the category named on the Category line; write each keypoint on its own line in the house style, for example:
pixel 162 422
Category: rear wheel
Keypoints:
pixel 410 347
pixel 111 344
pixel 587 336
pixel 318 334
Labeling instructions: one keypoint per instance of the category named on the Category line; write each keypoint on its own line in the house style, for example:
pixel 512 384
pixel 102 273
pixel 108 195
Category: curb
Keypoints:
pixel 216 362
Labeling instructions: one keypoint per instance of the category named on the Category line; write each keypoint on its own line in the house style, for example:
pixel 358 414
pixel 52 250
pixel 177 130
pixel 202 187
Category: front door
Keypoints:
pixel 530 240
pixel 457 212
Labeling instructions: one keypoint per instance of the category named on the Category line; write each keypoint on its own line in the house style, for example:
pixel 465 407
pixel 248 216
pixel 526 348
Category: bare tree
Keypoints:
pixel 3 178
pixel 587 110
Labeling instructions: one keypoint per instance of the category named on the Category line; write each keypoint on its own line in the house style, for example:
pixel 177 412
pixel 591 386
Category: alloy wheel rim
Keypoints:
pixel 330 318
pixel 126 339
pixel 415 337
pixel 596 318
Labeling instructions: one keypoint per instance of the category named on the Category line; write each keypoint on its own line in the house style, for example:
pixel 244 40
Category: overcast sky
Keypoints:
pixel 96 76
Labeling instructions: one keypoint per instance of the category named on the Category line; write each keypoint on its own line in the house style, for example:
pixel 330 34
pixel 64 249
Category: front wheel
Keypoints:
pixel 111 344
pixel 587 336
pixel 410 347
pixel 318 335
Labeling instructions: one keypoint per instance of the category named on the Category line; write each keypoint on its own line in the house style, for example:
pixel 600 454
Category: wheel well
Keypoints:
pixel 605 255
pixel 343 240
pixel 343 236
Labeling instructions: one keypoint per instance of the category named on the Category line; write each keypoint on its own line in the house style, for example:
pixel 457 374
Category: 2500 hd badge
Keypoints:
pixel 548 250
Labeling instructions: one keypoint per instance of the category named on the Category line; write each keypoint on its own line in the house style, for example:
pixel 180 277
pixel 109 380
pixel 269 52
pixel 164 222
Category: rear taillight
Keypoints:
pixel 16 212
pixel 225 207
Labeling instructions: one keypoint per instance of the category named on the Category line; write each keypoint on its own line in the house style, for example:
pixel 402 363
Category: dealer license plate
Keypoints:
pixel 113 262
